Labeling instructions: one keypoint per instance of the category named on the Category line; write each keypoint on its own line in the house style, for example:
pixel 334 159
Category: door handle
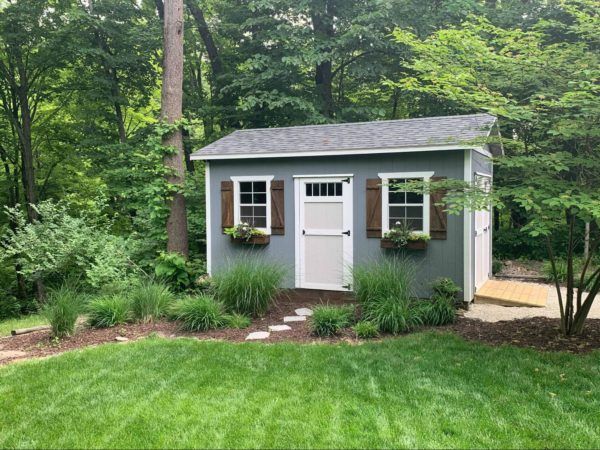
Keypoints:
pixel 347 233
pixel 303 232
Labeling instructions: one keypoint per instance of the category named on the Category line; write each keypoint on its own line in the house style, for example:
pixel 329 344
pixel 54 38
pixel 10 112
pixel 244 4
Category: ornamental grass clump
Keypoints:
pixel 248 285
pixel 62 310
pixel 199 313
pixel 150 301
pixel 105 312
pixel 366 330
pixel 238 321
pixel 384 289
pixel 330 320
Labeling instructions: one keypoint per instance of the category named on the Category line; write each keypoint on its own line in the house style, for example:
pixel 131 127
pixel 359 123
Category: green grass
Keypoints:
pixel 33 320
pixel 422 390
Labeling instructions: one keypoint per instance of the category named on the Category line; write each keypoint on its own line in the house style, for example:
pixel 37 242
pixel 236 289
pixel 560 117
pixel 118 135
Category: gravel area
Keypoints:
pixel 494 313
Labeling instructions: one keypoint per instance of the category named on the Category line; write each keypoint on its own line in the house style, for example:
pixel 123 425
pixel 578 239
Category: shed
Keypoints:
pixel 324 197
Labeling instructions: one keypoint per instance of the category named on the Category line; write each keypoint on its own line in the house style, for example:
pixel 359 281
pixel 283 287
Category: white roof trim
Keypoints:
pixel 433 148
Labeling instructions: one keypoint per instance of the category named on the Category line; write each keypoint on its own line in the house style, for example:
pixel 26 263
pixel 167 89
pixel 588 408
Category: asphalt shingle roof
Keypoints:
pixel 385 134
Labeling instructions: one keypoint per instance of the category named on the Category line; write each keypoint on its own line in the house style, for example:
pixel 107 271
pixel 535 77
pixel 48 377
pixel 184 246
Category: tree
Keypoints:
pixel 171 113
pixel 543 84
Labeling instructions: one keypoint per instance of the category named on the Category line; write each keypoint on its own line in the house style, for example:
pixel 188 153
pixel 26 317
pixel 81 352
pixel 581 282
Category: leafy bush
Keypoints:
pixel 440 310
pixel 329 320
pixel 365 330
pixel 174 270
pixel 497 266
pixel 445 287
pixel 561 270
pixel 393 315
pixel 248 285
pixel 198 313
pixel 107 312
pixel 62 310
pixel 150 301
pixel 238 321
pixel 9 306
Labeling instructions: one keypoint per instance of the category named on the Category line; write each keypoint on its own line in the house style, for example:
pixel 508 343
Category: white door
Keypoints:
pixel 324 232
pixel 483 234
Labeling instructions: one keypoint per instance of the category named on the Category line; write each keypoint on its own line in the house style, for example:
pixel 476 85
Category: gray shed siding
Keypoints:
pixel 442 257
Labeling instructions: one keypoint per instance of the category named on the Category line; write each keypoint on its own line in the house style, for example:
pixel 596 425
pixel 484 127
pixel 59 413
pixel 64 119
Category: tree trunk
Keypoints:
pixel 324 32
pixel 171 112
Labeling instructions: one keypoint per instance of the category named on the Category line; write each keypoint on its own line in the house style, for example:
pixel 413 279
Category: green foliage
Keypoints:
pixel 365 330
pixel 330 320
pixel 199 313
pixel 401 235
pixel 150 301
pixel 172 268
pixel 248 285
pixel 105 312
pixel 393 314
pixel 62 310
pixel 391 276
pixel 243 231
pixel 439 310
pixel 238 321
pixel 445 287
pixel 497 266
pixel 9 306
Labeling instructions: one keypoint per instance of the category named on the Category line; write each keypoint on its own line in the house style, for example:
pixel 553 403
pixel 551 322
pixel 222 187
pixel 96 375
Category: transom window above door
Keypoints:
pixel 401 207
pixel 324 189
pixel 252 201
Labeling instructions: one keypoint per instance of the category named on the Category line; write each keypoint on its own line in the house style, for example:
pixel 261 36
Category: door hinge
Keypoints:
pixel 348 287
pixel 347 233
pixel 346 180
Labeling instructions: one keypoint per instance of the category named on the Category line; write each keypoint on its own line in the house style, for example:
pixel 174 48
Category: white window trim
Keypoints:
pixel 385 209
pixel 236 198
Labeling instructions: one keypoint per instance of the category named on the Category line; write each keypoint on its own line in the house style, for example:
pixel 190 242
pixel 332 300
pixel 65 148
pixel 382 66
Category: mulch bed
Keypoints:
pixel 538 333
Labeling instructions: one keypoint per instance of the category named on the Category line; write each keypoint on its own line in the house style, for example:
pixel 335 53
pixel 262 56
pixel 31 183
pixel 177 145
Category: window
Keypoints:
pixel 324 189
pixel 252 198
pixel 402 207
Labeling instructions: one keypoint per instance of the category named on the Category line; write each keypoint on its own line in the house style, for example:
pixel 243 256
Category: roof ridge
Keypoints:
pixel 365 122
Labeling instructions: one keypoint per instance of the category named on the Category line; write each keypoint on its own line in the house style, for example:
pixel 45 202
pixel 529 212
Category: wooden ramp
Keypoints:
pixel 512 293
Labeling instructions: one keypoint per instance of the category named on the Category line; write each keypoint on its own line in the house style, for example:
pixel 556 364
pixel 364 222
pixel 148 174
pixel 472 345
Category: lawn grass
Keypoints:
pixel 423 390
pixel 32 320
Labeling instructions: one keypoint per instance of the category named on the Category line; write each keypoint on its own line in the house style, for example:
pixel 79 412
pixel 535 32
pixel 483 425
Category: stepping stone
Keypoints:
pixel 5 354
pixel 294 318
pixel 257 335
pixel 304 312
pixel 279 327
pixel 121 339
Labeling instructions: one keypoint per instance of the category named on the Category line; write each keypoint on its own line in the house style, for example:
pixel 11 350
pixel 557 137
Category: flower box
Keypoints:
pixel 254 240
pixel 411 245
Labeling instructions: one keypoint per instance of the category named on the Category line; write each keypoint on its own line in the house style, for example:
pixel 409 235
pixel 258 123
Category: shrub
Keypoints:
pixel 393 315
pixel 107 312
pixel 440 310
pixel 173 269
pixel 150 301
pixel 329 320
pixel 365 330
pixel 561 270
pixel 445 287
pixel 62 311
pixel 9 306
pixel 497 266
pixel 198 313
pixel 248 285
pixel 238 321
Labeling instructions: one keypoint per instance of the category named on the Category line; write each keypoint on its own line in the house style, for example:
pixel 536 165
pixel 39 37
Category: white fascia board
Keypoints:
pixel 374 151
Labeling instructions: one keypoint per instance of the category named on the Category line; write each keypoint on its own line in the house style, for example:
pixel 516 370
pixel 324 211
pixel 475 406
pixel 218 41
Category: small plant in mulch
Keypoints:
pixel 365 330
pixel 330 320
pixel 199 313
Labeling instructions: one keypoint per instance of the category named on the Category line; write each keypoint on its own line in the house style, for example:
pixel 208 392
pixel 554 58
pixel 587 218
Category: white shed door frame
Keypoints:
pixel 483 235
pixel 324 233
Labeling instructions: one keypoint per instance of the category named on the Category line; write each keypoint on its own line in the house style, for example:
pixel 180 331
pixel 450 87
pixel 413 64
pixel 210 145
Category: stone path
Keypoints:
pixel 5 354
pixel 302 313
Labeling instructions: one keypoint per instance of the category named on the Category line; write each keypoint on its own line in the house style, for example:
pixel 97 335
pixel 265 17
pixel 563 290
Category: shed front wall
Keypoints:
pixel 442 257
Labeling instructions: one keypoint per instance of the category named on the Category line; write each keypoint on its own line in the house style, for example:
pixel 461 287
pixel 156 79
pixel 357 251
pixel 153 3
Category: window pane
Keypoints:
pixel 397 211
pixel 309 189
pixel 396 197
pixel 245 198
pixel 260 186
pixel 413 197
pixel 323 189
pixel 260 198
pixel 395 223
pixel 260 211
pixel 246 186
pixel 415 224
pixel 414 212
pixel 330 189
pixel 246 219
pixel 246 211
pixel 338 188
pixel 315 189
pixel 260 222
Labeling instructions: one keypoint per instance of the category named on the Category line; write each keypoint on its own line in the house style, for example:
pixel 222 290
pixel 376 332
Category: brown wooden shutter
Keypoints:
pixel 226 204
pixel 277 207
pixel 373 208
pixel 438 218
